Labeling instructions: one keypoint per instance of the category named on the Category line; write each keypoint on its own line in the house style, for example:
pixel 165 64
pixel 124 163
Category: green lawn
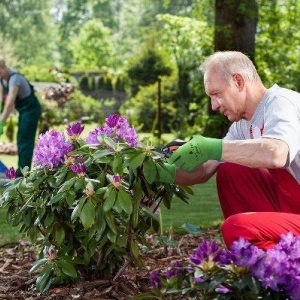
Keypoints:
pixel 203 209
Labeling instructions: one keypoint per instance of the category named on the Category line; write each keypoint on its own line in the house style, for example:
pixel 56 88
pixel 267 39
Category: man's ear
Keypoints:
pixel 239 80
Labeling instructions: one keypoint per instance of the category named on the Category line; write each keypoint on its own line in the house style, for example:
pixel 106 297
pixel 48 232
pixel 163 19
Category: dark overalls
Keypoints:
pixel 29 109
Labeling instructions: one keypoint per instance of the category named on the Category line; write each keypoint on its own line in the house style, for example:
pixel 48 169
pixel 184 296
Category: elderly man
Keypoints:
pixel 257 164
pixel 17 93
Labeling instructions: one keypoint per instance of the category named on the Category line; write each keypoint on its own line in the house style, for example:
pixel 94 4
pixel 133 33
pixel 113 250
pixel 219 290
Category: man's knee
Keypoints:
pixel 237 226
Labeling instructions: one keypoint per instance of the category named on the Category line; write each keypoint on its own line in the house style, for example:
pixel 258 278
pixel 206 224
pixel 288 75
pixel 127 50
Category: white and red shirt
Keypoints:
pixel 277 116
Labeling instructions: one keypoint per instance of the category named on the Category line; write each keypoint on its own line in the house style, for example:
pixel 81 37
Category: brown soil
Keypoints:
pixel 17 259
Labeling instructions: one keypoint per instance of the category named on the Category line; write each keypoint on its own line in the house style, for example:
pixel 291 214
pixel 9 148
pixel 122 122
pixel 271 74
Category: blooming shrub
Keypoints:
pixel 88 203
pixel 242 272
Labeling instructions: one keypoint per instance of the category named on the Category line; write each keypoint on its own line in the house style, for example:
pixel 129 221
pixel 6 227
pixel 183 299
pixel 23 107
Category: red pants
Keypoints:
pixel 258 204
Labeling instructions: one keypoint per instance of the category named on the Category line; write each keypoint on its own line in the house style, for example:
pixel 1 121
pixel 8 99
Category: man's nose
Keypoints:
pixel 214 104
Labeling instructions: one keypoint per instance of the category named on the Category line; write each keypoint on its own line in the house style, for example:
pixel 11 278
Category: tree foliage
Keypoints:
pixel 27 25
pixel 90 34
pixel 92 48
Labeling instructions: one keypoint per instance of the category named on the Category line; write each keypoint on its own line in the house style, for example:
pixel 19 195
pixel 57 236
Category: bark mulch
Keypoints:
pixel 16 283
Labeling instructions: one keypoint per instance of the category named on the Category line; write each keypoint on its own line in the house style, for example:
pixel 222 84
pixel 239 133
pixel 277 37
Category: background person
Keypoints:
pixel 257 164
pixel 17 93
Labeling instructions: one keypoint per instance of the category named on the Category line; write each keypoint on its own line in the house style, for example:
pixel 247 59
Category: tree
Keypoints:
pixel 277 43
pixel 92 48
pixel 235 29
pixel 27 26
pixel 235 25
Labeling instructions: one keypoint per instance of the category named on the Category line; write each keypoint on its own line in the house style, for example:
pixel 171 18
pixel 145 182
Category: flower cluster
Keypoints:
pixel 116 128
pixel 243 269
pixel 52 148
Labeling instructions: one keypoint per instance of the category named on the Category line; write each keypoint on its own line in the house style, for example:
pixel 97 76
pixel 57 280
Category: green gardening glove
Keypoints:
pixel 196 152
pixel 166 173
pixel 2 125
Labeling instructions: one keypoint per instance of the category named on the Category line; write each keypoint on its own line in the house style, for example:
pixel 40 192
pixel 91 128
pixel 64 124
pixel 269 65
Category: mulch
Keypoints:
pixel 16 260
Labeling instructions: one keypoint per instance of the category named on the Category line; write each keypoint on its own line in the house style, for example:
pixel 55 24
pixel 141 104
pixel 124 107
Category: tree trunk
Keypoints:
pixel 235 28
pixel 235 25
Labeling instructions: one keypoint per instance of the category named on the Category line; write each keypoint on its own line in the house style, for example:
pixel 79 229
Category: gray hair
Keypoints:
pixel 231 62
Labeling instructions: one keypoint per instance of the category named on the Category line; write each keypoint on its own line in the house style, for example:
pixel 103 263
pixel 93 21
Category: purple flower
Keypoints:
pixel 74 130
pixel 79 159
pixel 155 279
pixel 79 169
pixel 11 173
pixel 222 290
pixel 206 251
pixel 92 138
pixel 131 137
pixel 50 149
pixel 271 269
pixel 116 128
pixel 174 270
pixel 112 120
pixel 244 254
pixel 117 179
pixel 290 244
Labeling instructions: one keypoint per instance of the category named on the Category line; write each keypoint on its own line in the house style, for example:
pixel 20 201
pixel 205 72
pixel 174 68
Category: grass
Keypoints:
pixel 203 209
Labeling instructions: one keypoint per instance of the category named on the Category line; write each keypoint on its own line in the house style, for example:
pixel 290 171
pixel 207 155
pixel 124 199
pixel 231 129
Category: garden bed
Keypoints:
pixel 16 283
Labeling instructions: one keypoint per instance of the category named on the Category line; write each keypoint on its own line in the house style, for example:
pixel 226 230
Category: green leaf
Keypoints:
pixel 134 249
pixel 192 229
pixel 71 197
pixel 150 171
pixel 125 201
pixel 57 198
pixel 252 283
pixel 67 185
pixel 52 182
pixel 79 183
pixel 102 153
pixel 61 175
pixel 117 207
pixel 87 215
pixel 118 165
pixel 37 264
pixel 77 210
pixel 67 268
pixel 112 236
pixel 137 198
pixel 110 198
pixel 45 279
pixel 59 235
pixel 100 221
pixel 165 241
pixel 109 217
pixel 50 216
pixel 136 160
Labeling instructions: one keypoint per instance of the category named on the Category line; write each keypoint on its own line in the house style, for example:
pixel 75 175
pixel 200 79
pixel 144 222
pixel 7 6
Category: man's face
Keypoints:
pixel 228 98
pixel 3 70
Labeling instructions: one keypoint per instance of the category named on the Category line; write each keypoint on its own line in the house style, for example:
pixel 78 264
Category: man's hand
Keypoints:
pixel 196 152
pixel 166 172
pixel 2 125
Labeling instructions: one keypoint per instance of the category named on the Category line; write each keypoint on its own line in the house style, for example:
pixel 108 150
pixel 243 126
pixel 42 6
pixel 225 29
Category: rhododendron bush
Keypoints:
pixel 88 203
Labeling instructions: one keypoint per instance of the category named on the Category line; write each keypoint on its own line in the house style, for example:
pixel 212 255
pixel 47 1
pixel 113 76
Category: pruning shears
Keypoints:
pixel 168 149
